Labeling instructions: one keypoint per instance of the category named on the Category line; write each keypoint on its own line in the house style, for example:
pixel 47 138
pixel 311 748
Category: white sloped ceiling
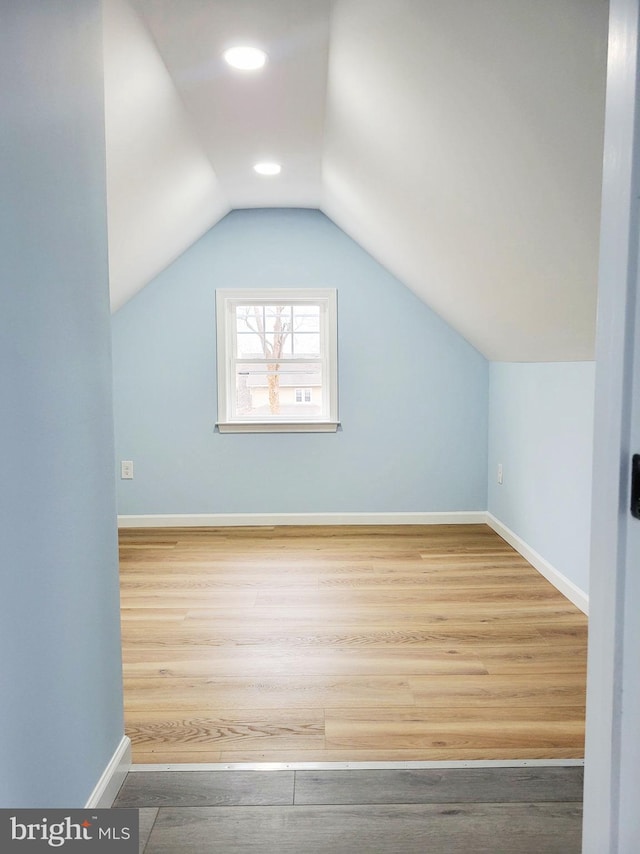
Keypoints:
pixel 459 141
pixel 463 148
pixel 162 192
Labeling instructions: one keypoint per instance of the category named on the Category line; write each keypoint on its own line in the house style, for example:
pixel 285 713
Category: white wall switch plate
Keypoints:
pixel 126 469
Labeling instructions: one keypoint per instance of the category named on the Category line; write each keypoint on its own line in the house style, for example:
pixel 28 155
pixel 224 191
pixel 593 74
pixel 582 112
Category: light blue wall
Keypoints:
pixel 541 430
pixel 60 675
pixel 413 393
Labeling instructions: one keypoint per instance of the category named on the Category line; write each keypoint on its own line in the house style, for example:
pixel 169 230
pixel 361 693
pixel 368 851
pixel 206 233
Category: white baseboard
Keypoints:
pixel 112 777
pixel 579 598
pixel 221 520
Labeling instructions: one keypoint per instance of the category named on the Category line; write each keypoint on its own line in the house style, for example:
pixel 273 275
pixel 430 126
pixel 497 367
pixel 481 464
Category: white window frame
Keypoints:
pixel 226 301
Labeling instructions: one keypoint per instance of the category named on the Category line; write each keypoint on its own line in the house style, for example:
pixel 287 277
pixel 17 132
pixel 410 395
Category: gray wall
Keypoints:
pixel 60 678
pixel 413 393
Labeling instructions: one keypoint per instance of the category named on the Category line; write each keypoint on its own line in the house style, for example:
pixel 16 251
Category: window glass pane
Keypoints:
pixel 249 345
pixel 287 351
pixel 271 329
pixel 278 318
pixel 306 318
pixel 278 345
pixel 306 344
pixel 252 346
pixel 271 390
pixel 277 331
pixel 249 318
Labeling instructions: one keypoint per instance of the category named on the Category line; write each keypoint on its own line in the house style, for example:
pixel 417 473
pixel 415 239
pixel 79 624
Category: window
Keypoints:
pixel 277 360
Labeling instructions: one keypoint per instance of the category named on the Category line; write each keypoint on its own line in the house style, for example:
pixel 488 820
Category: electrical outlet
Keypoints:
pixel 126 469
pixel 499 472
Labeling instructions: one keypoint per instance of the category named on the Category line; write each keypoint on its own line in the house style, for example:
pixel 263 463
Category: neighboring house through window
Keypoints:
pixel 277 360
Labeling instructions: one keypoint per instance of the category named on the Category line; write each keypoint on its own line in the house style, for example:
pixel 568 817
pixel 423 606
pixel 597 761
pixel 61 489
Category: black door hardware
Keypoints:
pixel 635 486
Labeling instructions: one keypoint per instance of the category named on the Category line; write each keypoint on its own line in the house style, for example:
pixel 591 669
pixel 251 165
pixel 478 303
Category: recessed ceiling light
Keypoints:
pixel 245 58
pixel 268 168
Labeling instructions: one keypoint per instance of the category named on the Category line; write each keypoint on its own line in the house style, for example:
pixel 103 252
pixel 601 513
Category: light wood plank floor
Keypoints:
pixel 316 644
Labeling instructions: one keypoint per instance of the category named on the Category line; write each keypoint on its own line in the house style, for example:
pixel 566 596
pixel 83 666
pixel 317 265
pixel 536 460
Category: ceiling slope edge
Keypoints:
pixel 162 191
pixel 468 161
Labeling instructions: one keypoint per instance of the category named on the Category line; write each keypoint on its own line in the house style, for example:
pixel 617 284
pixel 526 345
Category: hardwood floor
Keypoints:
pixel 316 644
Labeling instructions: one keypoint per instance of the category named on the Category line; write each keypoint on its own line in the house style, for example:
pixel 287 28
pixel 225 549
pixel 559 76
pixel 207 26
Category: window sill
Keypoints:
pixel 277 426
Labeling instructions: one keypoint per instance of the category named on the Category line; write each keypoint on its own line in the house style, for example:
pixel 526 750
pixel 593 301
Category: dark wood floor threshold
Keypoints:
pixel 516 810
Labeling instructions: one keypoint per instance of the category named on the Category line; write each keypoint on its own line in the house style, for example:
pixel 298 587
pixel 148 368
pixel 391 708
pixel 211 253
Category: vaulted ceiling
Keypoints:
pixel 458 141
